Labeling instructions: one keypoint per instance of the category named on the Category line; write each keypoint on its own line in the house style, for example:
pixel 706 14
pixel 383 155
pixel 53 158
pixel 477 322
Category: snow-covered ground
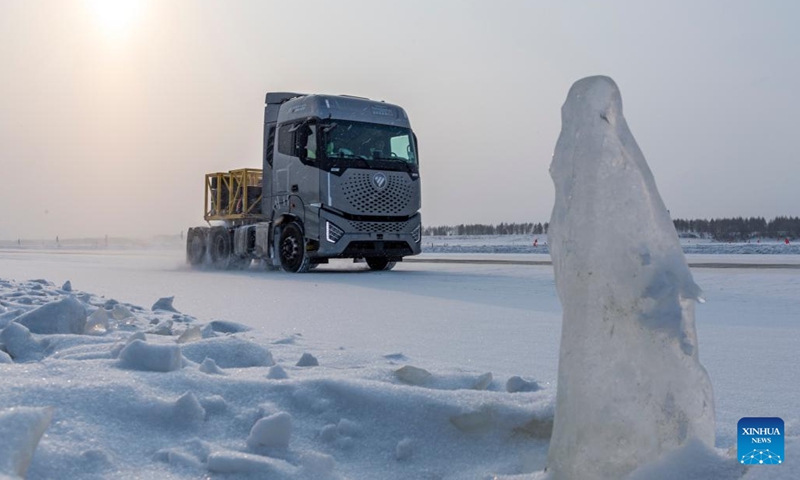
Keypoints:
pixel 359 413
pixel 514 244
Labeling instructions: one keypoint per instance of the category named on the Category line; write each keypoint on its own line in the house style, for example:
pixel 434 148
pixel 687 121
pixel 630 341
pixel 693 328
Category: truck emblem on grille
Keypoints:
pixel 379 181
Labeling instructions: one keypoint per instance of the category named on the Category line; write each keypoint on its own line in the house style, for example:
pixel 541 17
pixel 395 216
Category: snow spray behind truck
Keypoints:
pixel 340 179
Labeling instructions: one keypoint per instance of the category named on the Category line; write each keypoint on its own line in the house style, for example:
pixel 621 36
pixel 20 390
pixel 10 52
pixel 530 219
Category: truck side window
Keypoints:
pixel 298 140
pixel 286 139
pixel 311 143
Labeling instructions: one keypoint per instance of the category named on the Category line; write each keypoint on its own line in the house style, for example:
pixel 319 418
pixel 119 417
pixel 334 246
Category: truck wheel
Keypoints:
pixel 219 247
pixel 380 263
pixel 293 249
pixel 195 246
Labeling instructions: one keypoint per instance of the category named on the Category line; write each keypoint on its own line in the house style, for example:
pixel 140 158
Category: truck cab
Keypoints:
pixel 340 180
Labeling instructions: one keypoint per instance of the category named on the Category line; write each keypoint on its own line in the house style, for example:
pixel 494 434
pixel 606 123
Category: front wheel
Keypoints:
pixel 380 263
pixel 293 249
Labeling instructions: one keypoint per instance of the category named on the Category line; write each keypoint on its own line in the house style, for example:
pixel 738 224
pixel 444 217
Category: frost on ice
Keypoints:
pixel 630 385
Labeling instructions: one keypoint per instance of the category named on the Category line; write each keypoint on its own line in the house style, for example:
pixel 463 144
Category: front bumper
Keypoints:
pixel 361 239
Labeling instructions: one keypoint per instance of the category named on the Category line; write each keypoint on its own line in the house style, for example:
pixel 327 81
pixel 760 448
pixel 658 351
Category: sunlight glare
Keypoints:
pixel 115 17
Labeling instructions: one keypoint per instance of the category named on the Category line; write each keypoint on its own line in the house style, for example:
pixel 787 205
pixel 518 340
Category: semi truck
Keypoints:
pixel 339 179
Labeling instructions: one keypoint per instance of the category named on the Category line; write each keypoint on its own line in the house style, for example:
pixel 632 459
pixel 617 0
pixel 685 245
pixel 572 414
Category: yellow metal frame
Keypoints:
pixel 236 183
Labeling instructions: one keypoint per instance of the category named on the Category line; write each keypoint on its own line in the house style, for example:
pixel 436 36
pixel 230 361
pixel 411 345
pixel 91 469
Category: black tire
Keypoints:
pixel 293 249
pixel 196 246
pixel 219 247
pixel 380 263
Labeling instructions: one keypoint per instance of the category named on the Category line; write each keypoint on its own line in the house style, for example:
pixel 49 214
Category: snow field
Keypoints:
pixel 155 393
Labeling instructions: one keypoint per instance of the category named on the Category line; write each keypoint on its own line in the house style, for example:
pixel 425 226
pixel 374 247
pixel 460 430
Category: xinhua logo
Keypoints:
pixel 760 441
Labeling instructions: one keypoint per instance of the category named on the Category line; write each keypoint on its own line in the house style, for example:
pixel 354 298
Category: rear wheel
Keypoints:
pixel 219 247
pixel 380 263
pixel 195 246
pixel 293 249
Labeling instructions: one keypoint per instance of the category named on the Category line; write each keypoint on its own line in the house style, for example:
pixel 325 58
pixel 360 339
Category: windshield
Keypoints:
pixel 342 139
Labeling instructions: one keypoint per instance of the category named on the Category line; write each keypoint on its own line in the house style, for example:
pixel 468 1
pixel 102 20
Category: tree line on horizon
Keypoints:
pixel 719 229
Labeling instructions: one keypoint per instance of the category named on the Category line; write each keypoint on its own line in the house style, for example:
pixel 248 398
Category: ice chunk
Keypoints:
pixel 164 303
pixel 403 450
pixel 307 360
pixel 21 428
pixel 412 375
pixel 5 358
pixel 273 431
pixel 67 315
pixel 191 334
pixel 97 323
pixel 163 328
pixel 188 409
pixel 630 386
pixel 67 287
pixel 120 312
pixel 139 355
pixel 210 367
pixel 518 384
pixel 20 344
pixel 276 372
pixel 483 381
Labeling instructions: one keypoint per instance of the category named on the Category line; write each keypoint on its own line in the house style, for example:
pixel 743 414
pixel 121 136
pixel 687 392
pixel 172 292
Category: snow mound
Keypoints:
pixel 693 461
pixel 229 352
pixel 629 378
pixel 20 429
pixel 224 326
pixel 67 315
pixel 140 355
pixel 20 344
pixel 246 463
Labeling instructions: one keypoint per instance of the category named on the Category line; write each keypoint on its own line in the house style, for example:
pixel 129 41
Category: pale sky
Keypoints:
pixel 110 116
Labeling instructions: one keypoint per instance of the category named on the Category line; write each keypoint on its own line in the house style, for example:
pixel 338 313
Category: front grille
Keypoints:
pixel 378 227
pixel 360 193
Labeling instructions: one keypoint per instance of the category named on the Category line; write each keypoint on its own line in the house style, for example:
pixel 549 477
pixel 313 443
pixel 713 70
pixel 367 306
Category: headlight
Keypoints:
pixel 333 233
pixel 415 234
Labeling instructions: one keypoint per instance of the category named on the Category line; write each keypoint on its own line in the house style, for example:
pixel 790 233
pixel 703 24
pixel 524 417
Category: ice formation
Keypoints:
pixel 21 428
pixel 273 431
pixel 139 355
pixel 630 385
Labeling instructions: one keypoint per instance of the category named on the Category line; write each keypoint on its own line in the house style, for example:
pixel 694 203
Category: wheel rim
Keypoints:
pixel 290 251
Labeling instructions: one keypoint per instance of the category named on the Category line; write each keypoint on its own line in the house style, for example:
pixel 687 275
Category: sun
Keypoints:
pixel 115 17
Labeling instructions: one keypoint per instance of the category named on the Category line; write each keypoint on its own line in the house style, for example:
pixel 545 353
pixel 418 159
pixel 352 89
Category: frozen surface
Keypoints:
pixel 629 376
pixel 457 322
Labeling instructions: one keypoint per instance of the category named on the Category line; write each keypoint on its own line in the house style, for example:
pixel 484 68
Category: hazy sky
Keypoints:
pixel 110 116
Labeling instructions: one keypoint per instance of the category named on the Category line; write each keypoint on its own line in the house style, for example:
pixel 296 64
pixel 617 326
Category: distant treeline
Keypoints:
pixel 741 229
pixel 480 229
pixel 720 229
